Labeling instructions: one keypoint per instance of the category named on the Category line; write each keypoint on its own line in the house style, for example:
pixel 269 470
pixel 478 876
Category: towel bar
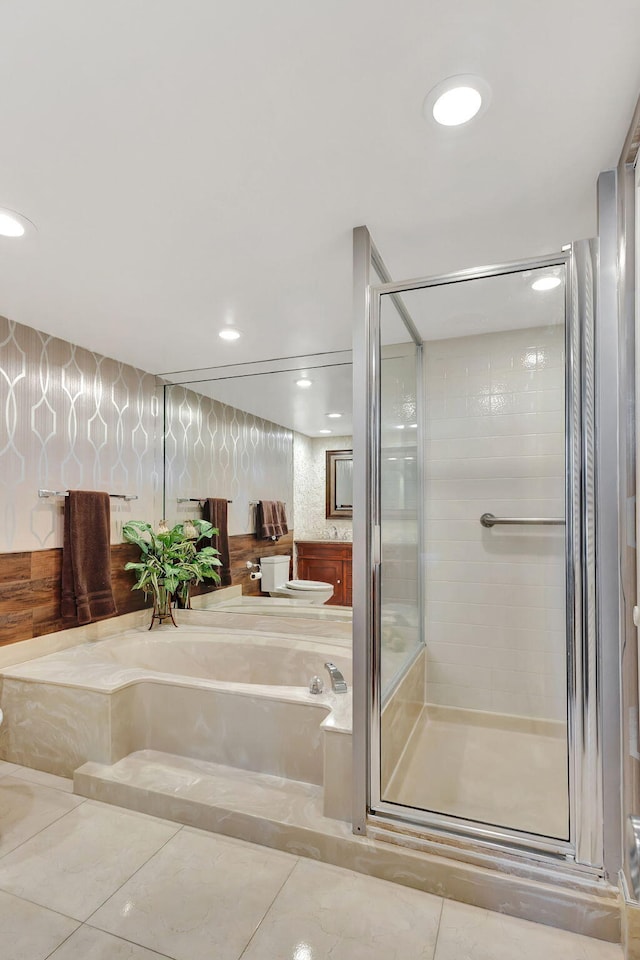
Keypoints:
pixel 63 493
pixel 195 500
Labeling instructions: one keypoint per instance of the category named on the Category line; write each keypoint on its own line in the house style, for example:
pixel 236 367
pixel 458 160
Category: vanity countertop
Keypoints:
pixel 320 540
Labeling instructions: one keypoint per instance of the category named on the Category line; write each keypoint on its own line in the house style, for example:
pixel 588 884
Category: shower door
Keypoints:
pixel 481 710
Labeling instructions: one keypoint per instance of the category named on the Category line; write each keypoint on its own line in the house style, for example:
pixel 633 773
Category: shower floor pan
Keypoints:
pixel 490 769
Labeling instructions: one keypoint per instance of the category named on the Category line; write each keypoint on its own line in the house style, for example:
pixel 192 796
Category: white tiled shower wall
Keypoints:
pixel 400 612
pixel 495 604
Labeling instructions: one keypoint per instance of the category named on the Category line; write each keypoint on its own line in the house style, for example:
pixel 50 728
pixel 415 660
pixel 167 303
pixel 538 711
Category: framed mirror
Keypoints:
pixel 339 482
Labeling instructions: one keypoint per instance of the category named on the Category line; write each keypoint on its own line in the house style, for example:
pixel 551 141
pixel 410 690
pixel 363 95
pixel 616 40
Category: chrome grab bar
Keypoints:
pixel 488 520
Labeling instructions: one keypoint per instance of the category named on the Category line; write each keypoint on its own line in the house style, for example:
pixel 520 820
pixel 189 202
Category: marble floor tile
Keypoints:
pixel 87 943
pixel 8 769
pixel 28 932
pixel 77 863
pixel 26 808
pixel 324 911
pixel 200 897
pixel 469 933
pixel 44 779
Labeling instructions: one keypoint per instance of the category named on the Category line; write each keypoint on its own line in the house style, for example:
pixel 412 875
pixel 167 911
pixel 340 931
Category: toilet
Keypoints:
pixel 275 571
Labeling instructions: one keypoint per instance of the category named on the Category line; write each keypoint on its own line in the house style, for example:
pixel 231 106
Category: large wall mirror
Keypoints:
pixel 261 431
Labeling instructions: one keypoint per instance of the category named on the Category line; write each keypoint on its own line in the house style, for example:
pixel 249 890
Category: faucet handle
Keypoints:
pixel 316 685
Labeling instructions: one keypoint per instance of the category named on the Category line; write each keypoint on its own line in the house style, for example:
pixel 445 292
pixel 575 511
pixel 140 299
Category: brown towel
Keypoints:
pixel 86 558
pixel 215 511
pixel 271 520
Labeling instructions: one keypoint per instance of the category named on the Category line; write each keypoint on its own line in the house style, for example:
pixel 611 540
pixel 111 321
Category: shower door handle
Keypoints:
pixel 488 520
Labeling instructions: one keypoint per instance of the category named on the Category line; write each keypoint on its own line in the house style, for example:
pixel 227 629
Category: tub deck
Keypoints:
pixel 234 696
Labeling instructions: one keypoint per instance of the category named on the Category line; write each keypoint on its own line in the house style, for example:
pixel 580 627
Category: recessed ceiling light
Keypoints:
pixel 303 382
pixel 324 431
pixel 11 224
pixel 457 100
pixel 457 106
pixel 334 416
pixel 546 283
pixel 229 333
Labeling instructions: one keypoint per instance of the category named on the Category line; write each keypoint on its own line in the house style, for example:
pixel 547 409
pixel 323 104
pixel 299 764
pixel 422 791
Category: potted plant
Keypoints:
pixel 170 561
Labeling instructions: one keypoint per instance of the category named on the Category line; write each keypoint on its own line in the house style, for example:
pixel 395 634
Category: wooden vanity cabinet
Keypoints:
pixel 329 561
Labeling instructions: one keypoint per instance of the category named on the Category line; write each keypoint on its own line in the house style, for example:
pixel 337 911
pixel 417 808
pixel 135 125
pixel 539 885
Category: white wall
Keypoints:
pixel 495 609
pixel 309 487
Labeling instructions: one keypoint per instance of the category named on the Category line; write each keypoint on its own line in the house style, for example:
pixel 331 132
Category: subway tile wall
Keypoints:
pixel 495 598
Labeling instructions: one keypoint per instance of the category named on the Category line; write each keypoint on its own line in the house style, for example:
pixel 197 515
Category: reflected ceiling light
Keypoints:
pixel 302 952
pixel 414 426
pixel 409 458
pixel 334 416
pixel 392 458
pixel 399 426
pixel 303 382
pixel 546 283
pixel 457 100
pixel 229 333
pixel 11 224
pixel 324 431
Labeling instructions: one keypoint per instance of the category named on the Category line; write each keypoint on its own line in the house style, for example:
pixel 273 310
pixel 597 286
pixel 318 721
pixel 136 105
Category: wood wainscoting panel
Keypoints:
pixel 15 566
pixel 30 583
pixel 46 563
pixel 15 626
pixel 30 606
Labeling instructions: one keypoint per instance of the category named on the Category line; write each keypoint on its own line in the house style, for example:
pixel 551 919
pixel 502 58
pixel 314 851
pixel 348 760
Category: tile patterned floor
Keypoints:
pixel 81 880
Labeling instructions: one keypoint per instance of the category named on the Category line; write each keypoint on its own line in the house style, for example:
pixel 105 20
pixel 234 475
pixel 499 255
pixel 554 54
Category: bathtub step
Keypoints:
pixel 287 815
pixel 240 803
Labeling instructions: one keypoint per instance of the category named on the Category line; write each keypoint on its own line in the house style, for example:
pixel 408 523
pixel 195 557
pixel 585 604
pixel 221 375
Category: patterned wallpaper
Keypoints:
pixel 309 457
pixel 70 418
pixel 214 450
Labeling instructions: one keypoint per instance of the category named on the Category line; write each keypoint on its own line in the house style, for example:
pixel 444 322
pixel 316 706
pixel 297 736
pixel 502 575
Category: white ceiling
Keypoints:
pixel 473 307
pixel 276 397
pixel 486 305
pixel 188 164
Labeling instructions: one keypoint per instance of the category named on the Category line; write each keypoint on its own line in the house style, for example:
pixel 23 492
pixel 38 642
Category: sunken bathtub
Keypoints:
pixel 229 697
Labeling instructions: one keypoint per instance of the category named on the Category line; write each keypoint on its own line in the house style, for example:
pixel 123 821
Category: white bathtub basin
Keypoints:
pixel 229 697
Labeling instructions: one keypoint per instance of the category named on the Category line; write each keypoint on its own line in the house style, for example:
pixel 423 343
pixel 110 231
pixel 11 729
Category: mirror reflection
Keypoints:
pixel 339 483
pixel 251 443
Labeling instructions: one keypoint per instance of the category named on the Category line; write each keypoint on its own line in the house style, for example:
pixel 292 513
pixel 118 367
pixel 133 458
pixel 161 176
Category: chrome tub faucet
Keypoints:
pixel 338 683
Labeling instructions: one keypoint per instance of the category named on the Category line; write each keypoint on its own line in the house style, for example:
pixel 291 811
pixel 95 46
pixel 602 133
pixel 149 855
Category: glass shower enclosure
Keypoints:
pixel 474 627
